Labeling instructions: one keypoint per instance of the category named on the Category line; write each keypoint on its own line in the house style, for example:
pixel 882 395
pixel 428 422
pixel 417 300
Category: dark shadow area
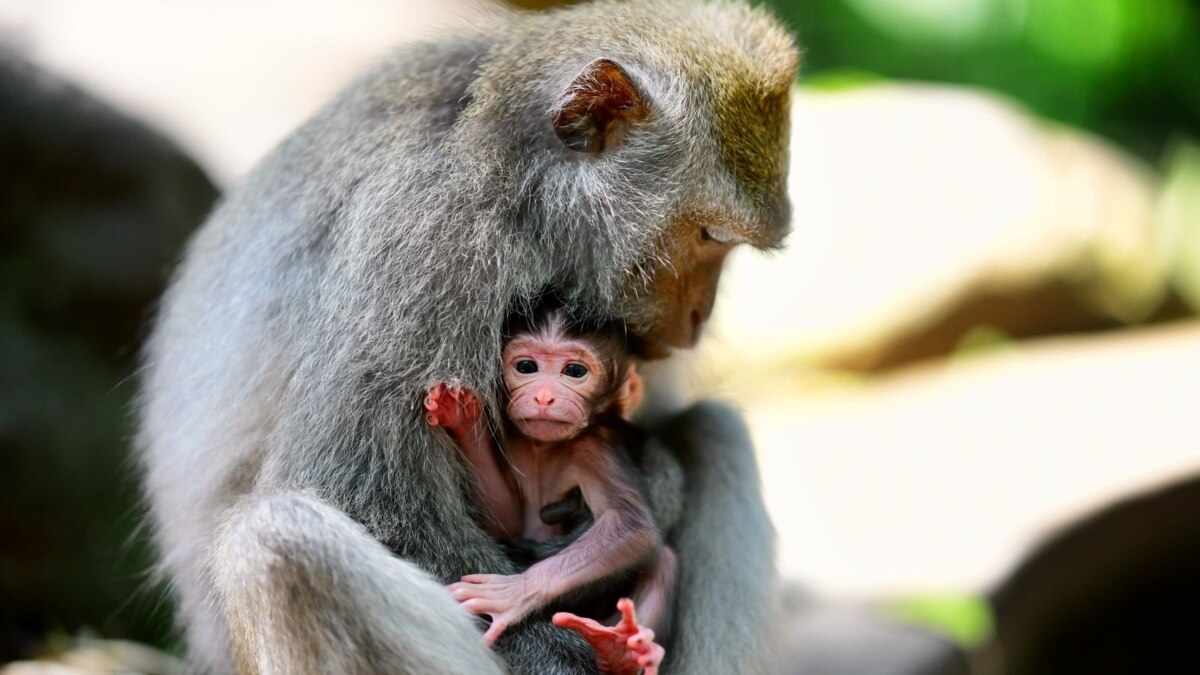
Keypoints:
pixel 94 208
pixel 1114 594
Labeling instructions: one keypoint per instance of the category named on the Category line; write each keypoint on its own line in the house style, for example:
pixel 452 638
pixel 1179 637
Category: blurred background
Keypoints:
pixel 973 377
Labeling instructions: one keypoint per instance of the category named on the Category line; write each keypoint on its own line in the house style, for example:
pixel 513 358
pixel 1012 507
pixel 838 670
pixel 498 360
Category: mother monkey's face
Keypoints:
pixel 741 198
pixel 670 310
pixel 699 155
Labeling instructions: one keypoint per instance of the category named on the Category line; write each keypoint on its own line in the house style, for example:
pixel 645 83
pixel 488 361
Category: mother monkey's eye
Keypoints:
pixel 526 367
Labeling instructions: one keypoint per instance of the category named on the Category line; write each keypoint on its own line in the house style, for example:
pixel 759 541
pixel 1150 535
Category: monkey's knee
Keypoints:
pixel 266 529
pixel 301 584
pixel 279 540
pixel 667 566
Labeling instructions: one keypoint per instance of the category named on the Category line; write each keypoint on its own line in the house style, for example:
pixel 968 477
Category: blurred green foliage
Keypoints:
pixel 1127 69
pixel 1179 221
pixel 965 619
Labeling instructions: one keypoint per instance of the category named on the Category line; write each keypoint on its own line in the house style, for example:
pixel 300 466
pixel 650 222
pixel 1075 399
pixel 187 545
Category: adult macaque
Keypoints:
pixel 570 385
pixel 306 514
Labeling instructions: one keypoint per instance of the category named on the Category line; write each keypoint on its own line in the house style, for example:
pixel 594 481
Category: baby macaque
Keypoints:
pixel 571 386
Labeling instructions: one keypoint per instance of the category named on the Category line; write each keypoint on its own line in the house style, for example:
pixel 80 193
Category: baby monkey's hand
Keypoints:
pixel 453 408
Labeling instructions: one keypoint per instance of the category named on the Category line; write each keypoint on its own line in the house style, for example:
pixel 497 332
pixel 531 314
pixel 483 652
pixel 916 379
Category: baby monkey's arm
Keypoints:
pixel 459 412
pixel 622 536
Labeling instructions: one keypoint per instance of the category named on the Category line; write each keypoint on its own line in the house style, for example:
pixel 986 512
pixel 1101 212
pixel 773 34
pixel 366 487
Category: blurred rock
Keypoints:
pixel 821 637
pixel 938 477
pixel 924 212
pixel 93 210
pixel 91 656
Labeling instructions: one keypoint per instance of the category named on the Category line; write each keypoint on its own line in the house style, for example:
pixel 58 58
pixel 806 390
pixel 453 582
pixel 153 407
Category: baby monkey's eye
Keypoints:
pixel 525 367
pixel 574 370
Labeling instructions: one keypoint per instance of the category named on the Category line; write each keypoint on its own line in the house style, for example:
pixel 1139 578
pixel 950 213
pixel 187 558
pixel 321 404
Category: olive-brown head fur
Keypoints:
pixel 673 131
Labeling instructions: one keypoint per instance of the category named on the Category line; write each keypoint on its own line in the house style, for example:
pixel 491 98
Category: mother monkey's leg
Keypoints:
pixel 725 545
pixel 308 590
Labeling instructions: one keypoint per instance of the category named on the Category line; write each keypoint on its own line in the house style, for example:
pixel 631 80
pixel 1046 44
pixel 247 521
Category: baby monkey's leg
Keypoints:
pixel 655 591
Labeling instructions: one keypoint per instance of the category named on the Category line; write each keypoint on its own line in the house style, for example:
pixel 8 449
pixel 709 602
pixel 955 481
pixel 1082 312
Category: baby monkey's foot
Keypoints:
pixel 453 408
pixel 623 649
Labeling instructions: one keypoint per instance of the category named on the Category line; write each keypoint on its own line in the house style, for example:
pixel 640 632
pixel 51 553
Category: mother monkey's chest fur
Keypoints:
pixel 613 152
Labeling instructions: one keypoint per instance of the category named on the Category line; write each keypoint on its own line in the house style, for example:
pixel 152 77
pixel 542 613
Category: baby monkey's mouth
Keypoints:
pixel 547 428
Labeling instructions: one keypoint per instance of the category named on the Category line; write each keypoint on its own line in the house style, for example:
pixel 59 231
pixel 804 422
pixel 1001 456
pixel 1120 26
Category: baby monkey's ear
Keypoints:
pixel 629 398
pixel 595 105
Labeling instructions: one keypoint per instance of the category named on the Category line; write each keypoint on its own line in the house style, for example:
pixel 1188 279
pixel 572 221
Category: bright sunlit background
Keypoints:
pixel 984 325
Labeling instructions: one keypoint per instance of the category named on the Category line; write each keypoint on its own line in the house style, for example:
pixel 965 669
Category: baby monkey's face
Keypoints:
pixel 553 384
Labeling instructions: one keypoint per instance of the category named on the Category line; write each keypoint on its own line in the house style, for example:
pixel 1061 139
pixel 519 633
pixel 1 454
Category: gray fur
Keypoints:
pixel 727 585
pixel 290 551
pixel 374 253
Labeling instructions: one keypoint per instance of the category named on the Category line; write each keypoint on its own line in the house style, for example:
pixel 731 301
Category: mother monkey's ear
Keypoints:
pixel 591 112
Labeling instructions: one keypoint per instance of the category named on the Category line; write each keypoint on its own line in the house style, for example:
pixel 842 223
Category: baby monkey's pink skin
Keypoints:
pixel 459 412
pixel 558 390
